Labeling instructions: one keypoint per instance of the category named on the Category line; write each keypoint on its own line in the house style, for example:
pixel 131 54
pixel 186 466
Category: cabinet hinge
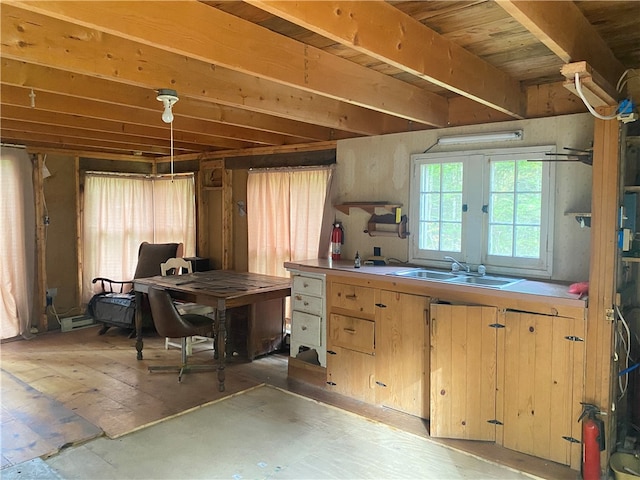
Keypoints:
pixel 573 338
pixel 380 384
pixel 496 325
pixel 381 305
pixel 609 314
pixel 330 352
pixel 495 422
pixel 570 439
pixel 333 384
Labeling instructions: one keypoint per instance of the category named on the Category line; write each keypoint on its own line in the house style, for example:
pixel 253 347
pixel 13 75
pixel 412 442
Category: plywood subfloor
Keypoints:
pixel 269 433
pixel 89 373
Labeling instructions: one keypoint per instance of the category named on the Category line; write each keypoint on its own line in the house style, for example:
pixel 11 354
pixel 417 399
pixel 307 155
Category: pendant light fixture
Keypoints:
pixel 168 98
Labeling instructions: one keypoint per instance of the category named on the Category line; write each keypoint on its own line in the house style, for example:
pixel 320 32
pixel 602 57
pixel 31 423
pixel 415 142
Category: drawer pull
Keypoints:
pixel 351 297
pixel 305 285
pixel 306 304
pixel 298 297
pixel 303 328
pixel 350 330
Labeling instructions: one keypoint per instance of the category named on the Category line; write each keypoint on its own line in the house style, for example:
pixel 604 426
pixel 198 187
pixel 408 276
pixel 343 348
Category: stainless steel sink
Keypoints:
pixel 486 281
pixel 426 274
pixel 461 278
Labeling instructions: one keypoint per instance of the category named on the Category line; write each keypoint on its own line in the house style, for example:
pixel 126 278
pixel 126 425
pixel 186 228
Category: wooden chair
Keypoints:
pixel 178 266
pixel 169 323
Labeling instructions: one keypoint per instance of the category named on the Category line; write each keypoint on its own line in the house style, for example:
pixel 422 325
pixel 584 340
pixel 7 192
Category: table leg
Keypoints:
pixel 138 317
pixel 221 337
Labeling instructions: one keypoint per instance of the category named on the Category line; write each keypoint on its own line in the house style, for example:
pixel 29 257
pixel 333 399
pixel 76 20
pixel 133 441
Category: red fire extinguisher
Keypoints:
pixel 337 239
pixel 592 441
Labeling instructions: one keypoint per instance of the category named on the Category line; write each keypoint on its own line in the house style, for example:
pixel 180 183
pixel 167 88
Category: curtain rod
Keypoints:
pixel 292 169
pixel 137 175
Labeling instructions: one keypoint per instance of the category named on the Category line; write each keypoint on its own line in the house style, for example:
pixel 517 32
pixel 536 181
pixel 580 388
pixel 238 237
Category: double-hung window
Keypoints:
pixel 490 207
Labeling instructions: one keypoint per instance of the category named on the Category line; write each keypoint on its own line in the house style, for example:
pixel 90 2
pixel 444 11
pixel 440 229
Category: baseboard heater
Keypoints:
pixel 73 323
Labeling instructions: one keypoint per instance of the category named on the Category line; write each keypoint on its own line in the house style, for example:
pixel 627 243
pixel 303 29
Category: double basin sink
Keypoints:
pixel 462 278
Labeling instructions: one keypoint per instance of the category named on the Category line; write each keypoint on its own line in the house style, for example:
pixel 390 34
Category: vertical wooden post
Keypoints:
pixel 40 290
pixel 227 219
pixel 79 230
pixel 599 376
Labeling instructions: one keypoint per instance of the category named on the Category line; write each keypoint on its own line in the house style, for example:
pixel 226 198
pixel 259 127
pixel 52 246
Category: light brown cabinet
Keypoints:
pixel 377 346
pixel 463 371
pixel 543 362
pixel 402 356
pixel 512 377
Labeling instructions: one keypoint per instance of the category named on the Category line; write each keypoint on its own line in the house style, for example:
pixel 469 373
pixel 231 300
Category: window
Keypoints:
pixel 121 212
pixel 486 207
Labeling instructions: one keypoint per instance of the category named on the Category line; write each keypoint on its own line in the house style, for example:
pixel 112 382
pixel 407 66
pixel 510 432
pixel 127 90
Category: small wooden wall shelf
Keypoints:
pixel 369 207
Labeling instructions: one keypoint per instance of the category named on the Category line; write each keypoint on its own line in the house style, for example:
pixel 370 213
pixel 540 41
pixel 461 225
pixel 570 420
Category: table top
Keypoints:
pixel 219 284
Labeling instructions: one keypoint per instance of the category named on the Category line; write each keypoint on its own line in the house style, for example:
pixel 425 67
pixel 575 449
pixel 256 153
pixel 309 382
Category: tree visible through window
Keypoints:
pixel 484 207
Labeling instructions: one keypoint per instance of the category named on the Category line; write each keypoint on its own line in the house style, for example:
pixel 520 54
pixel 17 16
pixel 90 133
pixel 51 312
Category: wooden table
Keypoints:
pixel 221 289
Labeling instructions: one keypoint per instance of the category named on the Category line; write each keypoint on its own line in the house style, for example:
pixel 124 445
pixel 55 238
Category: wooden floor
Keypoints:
pixel 99 379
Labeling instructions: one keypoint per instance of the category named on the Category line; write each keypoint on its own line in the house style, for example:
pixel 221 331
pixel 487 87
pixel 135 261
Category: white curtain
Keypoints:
pixel 17 242
pixel 122 212
pixel 285 210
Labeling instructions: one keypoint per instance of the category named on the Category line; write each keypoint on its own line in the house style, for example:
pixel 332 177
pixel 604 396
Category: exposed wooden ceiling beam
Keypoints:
pixel 384 32
pixel 562 27
pixel 62 141
pixel 19 96
pixel 222 39
pixel 37 39
pixel 13 72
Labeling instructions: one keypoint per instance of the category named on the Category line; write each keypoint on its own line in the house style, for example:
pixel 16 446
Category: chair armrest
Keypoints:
pixel 104 282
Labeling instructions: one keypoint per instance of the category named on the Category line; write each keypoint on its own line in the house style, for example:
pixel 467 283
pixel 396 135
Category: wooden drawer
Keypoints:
pixel 306 303
pixel 307 285
pixel 305 328
pixel 361 300
pixel 352 333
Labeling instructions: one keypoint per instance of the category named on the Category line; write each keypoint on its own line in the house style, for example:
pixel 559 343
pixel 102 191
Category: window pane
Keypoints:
pixel 440 201
pixel 430 207
pixel 451 237
pixel 502 205
pixel 501 240
pixel 452 177
pixel 528 242
pixel 430 178
pixel 529 176
pixel 429 236
pixel 528 210
pixel 502 176
pixel 452 207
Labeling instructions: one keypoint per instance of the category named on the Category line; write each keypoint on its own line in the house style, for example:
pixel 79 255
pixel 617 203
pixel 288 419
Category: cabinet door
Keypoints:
pixel 350 373
pixel 402 359
pixel 543 366
pixel 463 371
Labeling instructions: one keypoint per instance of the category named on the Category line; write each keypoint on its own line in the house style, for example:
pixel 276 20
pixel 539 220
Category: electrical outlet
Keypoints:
pixel 52 292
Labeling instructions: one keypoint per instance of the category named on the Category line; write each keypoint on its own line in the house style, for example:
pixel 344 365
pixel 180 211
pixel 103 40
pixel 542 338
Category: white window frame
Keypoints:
pixel 475 224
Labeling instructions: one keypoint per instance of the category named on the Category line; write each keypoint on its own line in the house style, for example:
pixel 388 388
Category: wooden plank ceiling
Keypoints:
pixel 276 75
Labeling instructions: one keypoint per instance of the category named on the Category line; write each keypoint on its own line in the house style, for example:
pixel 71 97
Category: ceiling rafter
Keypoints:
pixel 35 38
pixel 563 28
pixel 250 49
pixel 385 33
pixel 53 80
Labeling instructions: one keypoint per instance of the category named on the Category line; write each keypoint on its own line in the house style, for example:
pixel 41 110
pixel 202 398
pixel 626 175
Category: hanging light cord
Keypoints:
pixel 171 150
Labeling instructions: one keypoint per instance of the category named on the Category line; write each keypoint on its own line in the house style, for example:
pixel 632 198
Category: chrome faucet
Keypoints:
pixel 464 266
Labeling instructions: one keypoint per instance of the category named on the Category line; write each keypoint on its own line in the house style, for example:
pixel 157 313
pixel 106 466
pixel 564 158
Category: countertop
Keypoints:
pixel 533 290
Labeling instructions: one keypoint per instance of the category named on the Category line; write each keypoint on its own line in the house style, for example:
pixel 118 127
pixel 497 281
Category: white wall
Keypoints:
pixel 377 169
